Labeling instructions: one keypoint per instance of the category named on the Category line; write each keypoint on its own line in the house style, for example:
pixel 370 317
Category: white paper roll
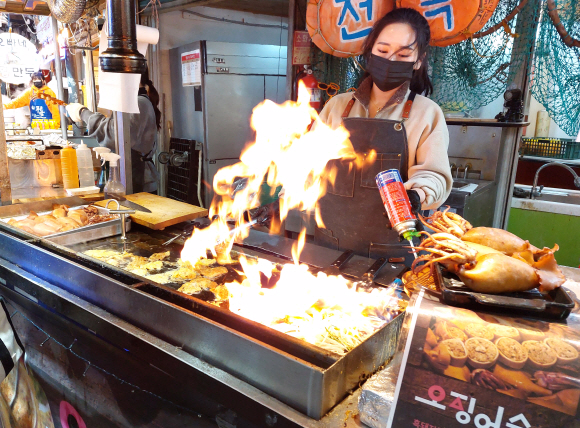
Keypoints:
pixel 543 124
pixel 119 91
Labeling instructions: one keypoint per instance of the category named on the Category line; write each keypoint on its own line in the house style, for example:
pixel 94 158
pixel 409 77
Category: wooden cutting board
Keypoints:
pixel 164 211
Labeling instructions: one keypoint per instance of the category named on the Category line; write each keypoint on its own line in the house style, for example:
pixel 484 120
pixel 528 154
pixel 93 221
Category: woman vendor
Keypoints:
pixel 407 130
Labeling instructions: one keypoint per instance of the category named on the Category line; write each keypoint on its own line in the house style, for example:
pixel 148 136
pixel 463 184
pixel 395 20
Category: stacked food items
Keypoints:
pixel 61 219
pixel 528 360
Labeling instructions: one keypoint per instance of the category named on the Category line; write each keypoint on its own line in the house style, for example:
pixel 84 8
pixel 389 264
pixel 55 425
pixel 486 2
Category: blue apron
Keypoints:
pixel 39 110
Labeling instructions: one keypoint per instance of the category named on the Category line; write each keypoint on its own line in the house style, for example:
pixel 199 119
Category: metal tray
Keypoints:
pixel 83 233
pixel 556 304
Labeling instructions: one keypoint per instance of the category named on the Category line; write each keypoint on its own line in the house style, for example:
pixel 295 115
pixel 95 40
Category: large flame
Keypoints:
pixel 289 152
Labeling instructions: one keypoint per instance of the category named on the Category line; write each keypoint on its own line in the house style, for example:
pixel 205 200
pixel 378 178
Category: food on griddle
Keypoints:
pixel 221 292
pixel 153 266
pixel 488 260
pixel 197 286
pixel 159 256
pixel 140 272
pixel 213 272
pixel 500 330
pixel 566 353
pixel 137 262
pixel 161 278
pixel 456 351
pixel 481 353
pixel 511 352
pixel 540 355
pixel 185 273
pixel 479 330
pixel 201 262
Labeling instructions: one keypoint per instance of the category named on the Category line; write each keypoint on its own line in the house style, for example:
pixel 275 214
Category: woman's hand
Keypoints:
pixel 74 111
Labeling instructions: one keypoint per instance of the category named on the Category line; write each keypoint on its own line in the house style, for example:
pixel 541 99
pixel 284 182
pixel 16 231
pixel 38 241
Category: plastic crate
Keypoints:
pixel 555 148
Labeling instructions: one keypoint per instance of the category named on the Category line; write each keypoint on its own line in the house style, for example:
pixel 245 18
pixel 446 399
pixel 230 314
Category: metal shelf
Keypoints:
pixel 485 122
pixel 542 159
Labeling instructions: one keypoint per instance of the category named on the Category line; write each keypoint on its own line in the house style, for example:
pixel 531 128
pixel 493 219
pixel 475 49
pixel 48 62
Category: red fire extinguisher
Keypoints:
pixel 307 77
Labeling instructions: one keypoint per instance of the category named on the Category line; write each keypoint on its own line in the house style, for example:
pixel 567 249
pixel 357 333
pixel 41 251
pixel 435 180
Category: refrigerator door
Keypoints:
pixel 229 101
pixel 242 58
pixel 187 120
pixel 275 88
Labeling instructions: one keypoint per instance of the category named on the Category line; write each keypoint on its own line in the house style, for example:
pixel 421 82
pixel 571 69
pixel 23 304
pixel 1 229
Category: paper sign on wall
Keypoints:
pixel 191 68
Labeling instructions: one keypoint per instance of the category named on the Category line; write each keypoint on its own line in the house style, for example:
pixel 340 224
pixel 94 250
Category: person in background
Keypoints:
pixel 143 130
pixel 388 114
pixel 39 109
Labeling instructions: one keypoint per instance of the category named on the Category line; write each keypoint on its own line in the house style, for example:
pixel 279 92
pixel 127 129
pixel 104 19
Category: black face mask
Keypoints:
pixel 389 74
pixel 38 83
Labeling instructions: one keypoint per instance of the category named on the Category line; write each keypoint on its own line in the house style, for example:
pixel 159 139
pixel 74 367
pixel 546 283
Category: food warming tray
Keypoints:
pixel 83 233
pixel 556 304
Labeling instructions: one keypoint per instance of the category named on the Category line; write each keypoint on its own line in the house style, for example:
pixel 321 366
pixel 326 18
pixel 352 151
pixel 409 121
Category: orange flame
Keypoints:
pixel 286 152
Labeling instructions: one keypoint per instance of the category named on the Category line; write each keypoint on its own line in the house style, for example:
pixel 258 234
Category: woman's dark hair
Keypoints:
pixel 420 82
pixel 153 96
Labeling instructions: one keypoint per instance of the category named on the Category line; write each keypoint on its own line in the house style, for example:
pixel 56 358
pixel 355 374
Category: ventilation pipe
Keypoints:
pixel 122 55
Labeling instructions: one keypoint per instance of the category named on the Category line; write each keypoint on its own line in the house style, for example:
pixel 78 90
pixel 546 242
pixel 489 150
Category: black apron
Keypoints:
pixel 352 209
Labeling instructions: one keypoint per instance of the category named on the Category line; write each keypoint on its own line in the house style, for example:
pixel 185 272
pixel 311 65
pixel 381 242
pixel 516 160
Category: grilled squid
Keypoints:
pixel 488 270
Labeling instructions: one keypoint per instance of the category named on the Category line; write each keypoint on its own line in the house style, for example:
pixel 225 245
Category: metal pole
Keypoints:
pixel 58 68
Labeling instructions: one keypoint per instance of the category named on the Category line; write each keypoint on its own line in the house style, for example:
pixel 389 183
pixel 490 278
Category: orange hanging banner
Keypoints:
pixel 452 21
pixel 339 27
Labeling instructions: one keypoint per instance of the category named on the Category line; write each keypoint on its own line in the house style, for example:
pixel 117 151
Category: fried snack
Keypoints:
pixel 204 262
pixel 185 273
pixel 540 355
pixel 159 256
pixel 213 272
pixel 511 353
pixel 153 266
pixel 137 262
pixel 481 353
pixel 221 292
pixel 197 286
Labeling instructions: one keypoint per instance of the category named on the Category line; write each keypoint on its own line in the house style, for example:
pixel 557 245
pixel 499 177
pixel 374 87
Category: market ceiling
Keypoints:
pixel 263 7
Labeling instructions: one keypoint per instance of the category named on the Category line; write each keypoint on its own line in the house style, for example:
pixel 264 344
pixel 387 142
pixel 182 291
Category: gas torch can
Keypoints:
pixel 397 203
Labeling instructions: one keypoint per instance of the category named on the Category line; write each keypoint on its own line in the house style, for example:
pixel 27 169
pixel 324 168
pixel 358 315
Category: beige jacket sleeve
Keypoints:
pixel 428 138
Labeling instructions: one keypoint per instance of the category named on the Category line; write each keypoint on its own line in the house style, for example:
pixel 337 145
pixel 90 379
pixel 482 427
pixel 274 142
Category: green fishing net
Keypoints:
pixel 556 72
pixel 475 72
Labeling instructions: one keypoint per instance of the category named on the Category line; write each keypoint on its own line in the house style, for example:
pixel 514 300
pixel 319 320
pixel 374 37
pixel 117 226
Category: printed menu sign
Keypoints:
pixel 191 68
pixel 462 368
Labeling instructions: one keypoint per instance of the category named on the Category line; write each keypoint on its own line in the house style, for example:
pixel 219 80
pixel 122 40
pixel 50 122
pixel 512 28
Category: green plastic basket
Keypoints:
pixel 556 148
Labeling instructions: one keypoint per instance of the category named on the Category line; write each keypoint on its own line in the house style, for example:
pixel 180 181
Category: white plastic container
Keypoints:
pixel 85 165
